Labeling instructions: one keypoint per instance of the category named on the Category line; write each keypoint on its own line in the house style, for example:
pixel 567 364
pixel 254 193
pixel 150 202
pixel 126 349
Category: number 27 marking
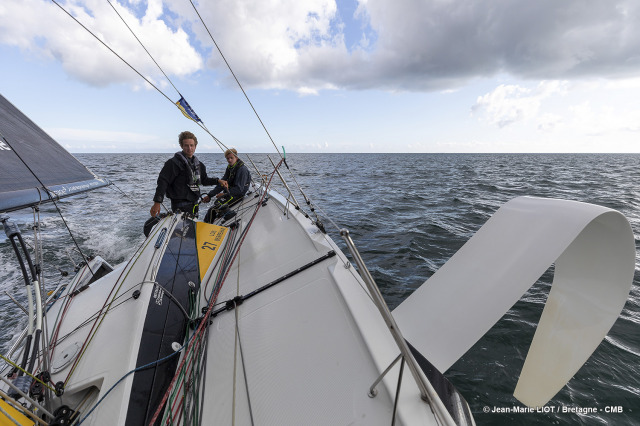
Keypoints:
pixel 208 245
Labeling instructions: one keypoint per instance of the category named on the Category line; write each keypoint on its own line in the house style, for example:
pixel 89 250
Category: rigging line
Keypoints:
pixel 8 416
pixel 112 51
pixel 143 367
pixel 202 125
pixel 191 415
pixel 123 275
pixel 238 275
pixel 107 304
pixel 145 49
pixel 296 181
pixel 7 360
pixel 184 374
pixel 16 302
pixel 68 300
pixel 199 370
pixel 220 144
pixel 173 298
pixel 244 368
pixel 397 397
pixel 236 78
pixel 203 373
pixel 329 218
pixel 262 178
pixel 96 314
pixel 87 321
pixel 306 199
pixel 18 407
pixel 51 195
pixel 40 261
pixel 80 406
pixel 235 372
pixel 133 200
pixel 201 326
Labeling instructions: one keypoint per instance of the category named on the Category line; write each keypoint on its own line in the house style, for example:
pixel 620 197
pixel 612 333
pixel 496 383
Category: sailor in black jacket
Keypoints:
pixel 231 188
pixel 181 177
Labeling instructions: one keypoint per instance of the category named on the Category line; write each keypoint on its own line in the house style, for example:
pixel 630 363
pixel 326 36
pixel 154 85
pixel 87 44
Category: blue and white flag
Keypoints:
pixel 187 111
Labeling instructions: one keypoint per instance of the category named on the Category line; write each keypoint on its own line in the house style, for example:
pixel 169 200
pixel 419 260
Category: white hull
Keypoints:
pixel 297 338
pixel 304 351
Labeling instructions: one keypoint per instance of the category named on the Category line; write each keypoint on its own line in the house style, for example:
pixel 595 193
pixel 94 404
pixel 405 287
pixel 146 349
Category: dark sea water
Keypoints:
pixel 408 214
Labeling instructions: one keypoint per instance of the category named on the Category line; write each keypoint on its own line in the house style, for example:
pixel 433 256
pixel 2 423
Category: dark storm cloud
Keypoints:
pixel 426 45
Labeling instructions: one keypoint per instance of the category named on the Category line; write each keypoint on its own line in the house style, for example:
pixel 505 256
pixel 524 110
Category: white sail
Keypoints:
pixel 594 253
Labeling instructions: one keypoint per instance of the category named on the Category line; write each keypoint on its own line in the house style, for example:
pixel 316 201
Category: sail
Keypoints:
pixel 30 158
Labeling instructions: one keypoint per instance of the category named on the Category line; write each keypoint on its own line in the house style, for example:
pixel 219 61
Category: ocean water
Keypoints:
pixel 408 214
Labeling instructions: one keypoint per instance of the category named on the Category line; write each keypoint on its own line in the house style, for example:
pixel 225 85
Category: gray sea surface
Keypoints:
pixel 408 214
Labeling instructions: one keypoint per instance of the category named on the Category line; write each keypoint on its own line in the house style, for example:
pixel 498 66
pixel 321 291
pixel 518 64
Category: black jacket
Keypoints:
pixel 174 180
pixel 239 179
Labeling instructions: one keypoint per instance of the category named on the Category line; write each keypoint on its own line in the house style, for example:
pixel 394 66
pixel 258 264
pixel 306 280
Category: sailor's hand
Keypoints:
pixel 220 195
pixel 206 199
pixel 223 183
pixel 155 209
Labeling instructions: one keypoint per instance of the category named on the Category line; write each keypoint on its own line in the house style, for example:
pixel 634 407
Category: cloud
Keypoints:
pixel 575 110
pixel 45 30
pixel 603 120
pixel 400 45
pixel 508 104
pixel 294 45
pixel 448 42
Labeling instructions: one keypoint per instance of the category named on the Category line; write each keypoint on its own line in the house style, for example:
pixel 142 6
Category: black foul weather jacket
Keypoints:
pixel 238 178
pixel 178 177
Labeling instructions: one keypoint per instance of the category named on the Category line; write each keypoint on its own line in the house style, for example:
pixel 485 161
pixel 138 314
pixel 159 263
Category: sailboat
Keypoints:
pixel 260 318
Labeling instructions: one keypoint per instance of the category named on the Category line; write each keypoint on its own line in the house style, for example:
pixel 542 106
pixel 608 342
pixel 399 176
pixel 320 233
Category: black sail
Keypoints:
pixel 30 158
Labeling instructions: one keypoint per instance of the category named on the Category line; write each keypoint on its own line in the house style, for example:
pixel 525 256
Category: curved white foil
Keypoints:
pixel 593 249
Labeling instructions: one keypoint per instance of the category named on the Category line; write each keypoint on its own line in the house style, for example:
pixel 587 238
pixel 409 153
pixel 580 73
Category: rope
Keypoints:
pixel 236 79
pixel 145 49
pixel 200 330
pixel 235 368
pixel 143 367
pixel 395 402
pixel 216 290
pixel 7 360
pixel 20 408
pixel 51 195
pixel 220 144
pixel 107 304
pixel 173 298
pixel 39 253
pixel 235 350
pixel 133 200
pixel 112 51
pixel 244 369
pixel 8 416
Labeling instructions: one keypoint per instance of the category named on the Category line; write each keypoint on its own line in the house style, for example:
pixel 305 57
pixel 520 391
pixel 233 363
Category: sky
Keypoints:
pixel 328 76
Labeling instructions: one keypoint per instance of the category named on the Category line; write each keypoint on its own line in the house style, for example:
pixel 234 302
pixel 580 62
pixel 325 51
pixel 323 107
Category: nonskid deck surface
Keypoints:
pixel 165 322
pixel 295 354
